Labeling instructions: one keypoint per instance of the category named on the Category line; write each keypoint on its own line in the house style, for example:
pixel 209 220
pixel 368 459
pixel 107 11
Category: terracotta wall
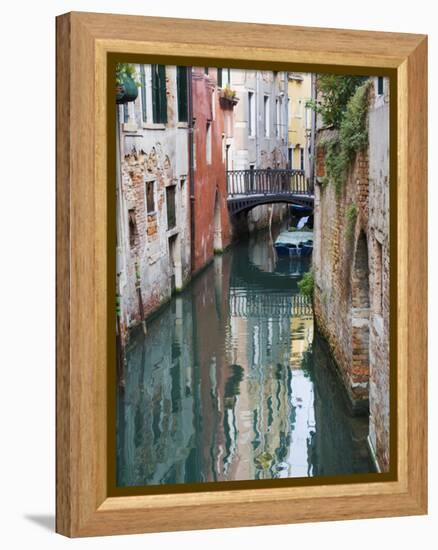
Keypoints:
pixel 210 191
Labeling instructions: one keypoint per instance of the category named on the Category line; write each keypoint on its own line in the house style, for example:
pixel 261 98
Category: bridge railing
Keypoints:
pixel 259 305
pixel 267 181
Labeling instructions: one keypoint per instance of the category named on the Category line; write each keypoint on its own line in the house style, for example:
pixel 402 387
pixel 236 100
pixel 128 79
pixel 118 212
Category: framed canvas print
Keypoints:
pixel 241 274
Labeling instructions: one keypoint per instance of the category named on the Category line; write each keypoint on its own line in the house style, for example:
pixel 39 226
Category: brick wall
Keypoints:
pixel 341 275
pixel 351 265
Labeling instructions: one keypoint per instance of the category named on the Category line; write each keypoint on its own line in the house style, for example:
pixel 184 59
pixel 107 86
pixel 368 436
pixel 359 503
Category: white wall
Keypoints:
pixel 260 148
pixel 27 279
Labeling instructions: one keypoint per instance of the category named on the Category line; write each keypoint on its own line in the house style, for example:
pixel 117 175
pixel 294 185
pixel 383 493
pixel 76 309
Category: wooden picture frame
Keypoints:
pixel 84 41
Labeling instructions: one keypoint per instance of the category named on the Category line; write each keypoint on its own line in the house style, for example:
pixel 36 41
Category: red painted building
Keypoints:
pixel 211 229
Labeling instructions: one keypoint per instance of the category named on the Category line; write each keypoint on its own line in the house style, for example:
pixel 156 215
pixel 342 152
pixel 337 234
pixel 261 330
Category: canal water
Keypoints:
pixel 232 383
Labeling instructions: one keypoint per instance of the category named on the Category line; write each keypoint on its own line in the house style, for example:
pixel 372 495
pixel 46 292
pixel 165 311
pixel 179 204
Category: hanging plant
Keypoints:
pixel 126 83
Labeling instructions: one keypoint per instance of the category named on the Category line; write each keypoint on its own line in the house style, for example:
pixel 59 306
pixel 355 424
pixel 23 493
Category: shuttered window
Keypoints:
pixel 219 78
pixel 150 200
pixel 170 201
pixel 181 83
pixel 380 85
pixel 143 93
pixel 223 78
pixel 159 97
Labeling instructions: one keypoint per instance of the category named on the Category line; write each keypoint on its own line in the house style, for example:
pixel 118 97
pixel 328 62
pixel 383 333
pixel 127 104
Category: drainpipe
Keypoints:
pixel 312 134
pixel 257 117
pixel 191 138
pixel 120 342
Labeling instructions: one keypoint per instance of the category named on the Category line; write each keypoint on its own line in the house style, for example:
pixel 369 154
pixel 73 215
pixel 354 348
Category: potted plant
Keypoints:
pixel 228 98
pixel 126 83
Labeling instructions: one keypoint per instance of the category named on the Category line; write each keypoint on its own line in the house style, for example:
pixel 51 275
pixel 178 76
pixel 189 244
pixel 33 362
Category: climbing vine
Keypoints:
pixel 349 116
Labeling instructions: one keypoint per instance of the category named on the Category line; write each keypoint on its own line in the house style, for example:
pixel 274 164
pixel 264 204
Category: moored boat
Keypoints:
pixel 294 243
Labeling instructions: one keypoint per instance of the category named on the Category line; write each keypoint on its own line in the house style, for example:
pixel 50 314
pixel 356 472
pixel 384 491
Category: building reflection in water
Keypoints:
pixel 230 384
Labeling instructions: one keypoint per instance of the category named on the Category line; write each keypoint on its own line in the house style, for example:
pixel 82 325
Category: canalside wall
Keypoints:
pixel 351 269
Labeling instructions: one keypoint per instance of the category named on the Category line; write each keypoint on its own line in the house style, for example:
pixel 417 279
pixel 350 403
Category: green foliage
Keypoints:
pixel 352 137
pixel 307 284
pixel 228 92
pixel 351 217
pixel 336 164
pixel 124 71
pixel 334 92
pixel 354 131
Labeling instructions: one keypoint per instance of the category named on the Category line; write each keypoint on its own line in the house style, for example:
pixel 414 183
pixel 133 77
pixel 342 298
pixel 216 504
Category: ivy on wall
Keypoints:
pixel 343 105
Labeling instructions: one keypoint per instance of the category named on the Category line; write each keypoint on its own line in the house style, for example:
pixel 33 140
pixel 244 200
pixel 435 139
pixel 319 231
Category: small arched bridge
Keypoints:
pixel 250 188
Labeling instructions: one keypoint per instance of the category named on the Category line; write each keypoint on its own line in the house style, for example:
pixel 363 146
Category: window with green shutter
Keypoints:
pixel 219 78
pixel 159 97
pixel 143 93
pixel 380 85
pixel 223 78
pixel 181 83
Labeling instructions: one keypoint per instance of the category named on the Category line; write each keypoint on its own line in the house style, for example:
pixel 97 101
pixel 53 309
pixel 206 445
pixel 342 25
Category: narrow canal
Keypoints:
pixel 232 383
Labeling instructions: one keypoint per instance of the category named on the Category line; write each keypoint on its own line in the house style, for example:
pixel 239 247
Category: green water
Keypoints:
pixel 230 383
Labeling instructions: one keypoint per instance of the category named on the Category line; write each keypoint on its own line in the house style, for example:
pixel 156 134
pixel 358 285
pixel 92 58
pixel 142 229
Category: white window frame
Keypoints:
pixel 152 180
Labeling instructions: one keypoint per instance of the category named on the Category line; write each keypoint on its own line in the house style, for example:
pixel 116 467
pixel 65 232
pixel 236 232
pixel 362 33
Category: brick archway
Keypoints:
pixel 360 319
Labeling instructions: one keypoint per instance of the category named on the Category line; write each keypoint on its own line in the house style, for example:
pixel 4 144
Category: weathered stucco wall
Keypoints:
pixel 152 254
pixel 212 229
pixel 351 268
pixel 379 216
pixel 260 140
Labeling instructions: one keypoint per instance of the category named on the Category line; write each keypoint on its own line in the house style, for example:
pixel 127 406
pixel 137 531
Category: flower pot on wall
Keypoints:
pixel 228 99
pixel 228 102
pixel 126 91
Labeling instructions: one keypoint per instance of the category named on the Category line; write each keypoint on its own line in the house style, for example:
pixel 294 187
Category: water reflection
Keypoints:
pixel 230 383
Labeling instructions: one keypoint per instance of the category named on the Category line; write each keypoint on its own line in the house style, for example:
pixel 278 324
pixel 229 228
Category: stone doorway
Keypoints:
pixel 360 318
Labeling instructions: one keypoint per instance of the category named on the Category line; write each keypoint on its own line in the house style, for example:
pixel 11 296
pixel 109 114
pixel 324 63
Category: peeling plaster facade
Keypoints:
pixel 153 252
